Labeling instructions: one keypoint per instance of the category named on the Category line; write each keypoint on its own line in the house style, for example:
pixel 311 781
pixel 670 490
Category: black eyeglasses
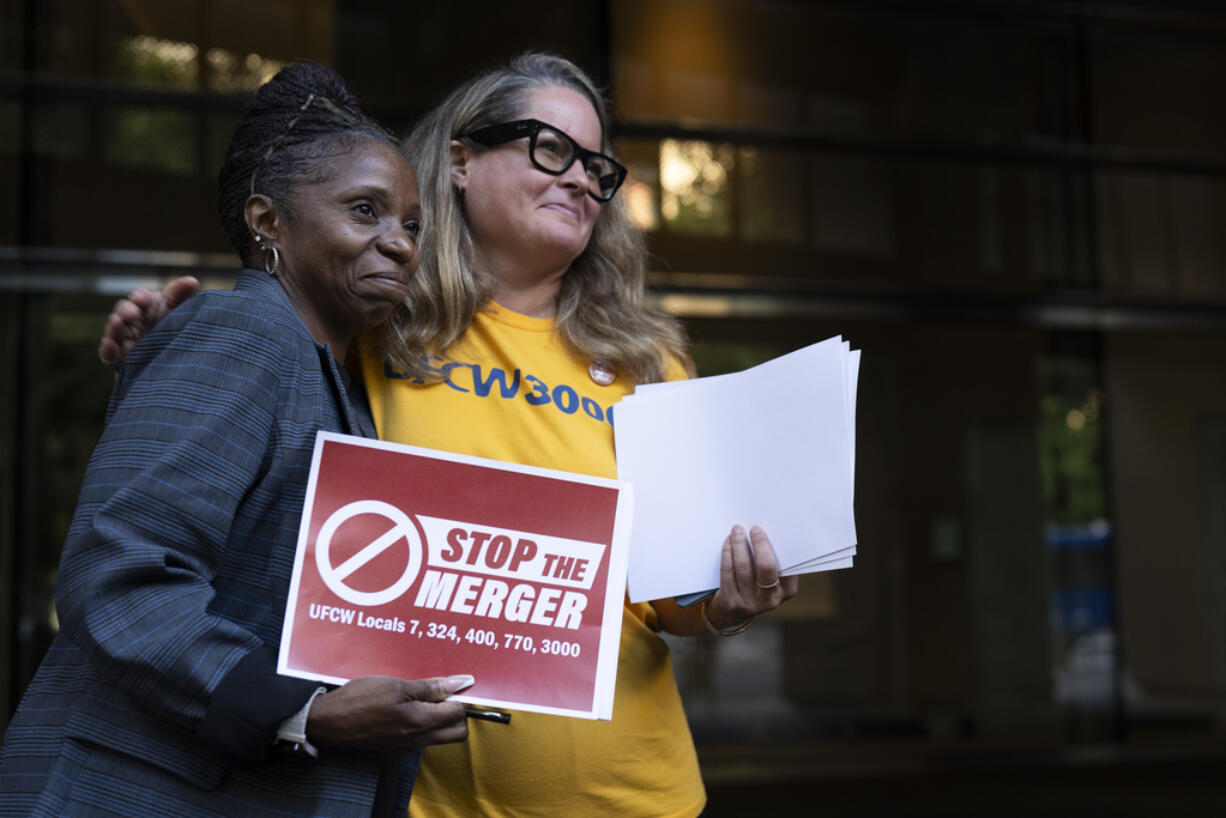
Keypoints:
pixel 553 151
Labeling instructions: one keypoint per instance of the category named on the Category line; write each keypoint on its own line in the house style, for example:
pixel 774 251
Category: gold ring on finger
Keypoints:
pixel 770 587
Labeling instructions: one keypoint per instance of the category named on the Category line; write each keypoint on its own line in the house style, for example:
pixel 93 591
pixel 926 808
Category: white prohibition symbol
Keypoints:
pixel 334 576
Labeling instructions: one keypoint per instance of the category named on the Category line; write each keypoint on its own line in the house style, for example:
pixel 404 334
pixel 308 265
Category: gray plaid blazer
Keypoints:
pixel 159 694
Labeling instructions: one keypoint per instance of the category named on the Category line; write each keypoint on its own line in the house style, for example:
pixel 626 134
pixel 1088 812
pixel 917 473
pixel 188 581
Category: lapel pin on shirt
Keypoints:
pixel 602 372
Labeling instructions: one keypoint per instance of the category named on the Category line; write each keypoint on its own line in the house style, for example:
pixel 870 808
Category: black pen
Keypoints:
pixel 487 715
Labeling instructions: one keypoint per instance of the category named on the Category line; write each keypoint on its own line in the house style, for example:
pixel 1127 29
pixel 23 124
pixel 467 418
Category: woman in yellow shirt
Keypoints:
pixel 524 325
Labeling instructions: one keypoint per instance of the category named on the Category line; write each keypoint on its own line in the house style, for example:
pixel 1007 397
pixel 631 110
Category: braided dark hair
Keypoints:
pixel 299 119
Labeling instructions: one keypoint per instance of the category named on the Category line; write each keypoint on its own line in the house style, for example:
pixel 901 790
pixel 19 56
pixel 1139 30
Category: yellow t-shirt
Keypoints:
pixel 513 392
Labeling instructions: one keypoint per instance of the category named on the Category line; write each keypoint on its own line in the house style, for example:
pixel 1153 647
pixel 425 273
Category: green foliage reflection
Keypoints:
pixel 1071 441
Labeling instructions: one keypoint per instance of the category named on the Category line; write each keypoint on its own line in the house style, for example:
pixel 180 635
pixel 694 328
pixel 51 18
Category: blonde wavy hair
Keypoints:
pixel 601 308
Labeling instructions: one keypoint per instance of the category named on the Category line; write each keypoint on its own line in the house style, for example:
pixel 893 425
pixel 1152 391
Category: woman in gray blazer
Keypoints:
pixel 159 695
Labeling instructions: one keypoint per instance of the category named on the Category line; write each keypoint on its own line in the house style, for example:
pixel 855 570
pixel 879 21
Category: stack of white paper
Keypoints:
pixel 772 446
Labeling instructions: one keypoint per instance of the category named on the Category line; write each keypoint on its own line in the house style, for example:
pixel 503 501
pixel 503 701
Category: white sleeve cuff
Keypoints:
pixel 291 733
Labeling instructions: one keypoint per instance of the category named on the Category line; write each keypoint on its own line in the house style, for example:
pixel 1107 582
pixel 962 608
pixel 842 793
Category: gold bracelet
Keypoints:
pixel 733 631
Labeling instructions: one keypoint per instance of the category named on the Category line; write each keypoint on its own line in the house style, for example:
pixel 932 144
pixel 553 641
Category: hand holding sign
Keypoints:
pixel 415 563
pixel 389 714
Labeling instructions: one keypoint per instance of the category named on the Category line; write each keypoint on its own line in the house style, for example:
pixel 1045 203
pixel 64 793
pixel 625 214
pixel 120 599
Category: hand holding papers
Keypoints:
pixel 773 446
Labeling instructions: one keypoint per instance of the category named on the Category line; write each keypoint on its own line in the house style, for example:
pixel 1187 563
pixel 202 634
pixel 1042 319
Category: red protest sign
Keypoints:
pixel 418 563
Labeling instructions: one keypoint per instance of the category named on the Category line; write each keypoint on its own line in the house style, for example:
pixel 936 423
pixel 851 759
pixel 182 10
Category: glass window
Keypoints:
pixel 695 195
pixel 159 44
pixel 772 195
pixel 1160 234
pixel 152 138
pixel 60 130
pixel 854 206
pixel 1078 533
pixel 50 429
pixel 285 30
pixel 1166 402
pixel 65 37
pixel 219 129
pixel 151 112
pixel 942 627
pixel 11 124
pixel 641 189
pixel 12 33
pixel 861 217
pixel 838 71
pixel 229 72
pixel 1055 210
pixel 1157 91
pixel 155 61
pixel 10 127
